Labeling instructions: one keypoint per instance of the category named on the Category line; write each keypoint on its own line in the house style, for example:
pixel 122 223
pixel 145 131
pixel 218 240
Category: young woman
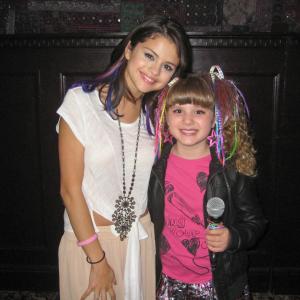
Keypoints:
pixel 208 153
pixel 106 153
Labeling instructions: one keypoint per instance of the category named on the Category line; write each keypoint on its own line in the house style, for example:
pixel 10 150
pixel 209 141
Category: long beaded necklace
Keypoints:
pixel 124 214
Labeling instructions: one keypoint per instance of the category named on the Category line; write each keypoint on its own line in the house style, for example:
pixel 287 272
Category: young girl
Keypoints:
pixel 208 153
pixel 106 155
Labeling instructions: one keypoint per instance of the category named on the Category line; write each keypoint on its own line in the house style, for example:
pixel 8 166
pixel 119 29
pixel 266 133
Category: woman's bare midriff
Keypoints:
pixel 101 221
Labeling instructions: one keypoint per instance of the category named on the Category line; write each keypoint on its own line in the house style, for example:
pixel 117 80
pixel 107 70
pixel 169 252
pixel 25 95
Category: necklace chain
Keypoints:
pixel 134 161
pixel 124 214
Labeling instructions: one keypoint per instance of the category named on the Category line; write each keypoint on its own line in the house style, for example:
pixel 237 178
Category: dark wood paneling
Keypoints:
pixel 35 73
pixel 21 162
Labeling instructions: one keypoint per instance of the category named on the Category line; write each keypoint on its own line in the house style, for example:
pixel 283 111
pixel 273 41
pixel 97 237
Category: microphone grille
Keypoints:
pixel 215 207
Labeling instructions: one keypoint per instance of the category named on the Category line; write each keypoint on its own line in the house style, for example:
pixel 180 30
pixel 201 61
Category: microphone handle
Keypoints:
pixel 215 223
pixel 213 261
pixel 212 225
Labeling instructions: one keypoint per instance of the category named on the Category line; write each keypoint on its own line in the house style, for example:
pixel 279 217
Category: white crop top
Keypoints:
pixel 102 179
pixel 100 136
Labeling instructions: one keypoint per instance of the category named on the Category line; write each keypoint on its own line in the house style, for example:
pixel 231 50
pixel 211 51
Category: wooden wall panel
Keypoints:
pixel 20 150
pixel 286 220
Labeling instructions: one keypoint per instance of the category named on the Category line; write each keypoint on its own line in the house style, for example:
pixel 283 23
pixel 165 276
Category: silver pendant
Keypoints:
pixel 124 215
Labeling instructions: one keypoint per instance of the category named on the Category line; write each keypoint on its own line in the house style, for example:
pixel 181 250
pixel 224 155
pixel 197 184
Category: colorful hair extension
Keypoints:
pixel 160 131
pixel 227 100
pixel 218 74
pixel 240 94
pixel 109 76
pixel 159 121
pixel 219 135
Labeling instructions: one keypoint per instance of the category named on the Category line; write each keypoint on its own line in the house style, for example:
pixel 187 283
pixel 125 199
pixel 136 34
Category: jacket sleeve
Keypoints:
pixel 156 204
pixel 150 195
pixel 248 222
pixel 156 210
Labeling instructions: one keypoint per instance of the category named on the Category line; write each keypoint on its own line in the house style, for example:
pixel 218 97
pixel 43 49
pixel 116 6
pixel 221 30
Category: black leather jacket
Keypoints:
pixel 242 216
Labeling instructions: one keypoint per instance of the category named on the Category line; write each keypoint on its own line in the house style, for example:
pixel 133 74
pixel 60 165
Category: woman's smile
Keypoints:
pixel 150 65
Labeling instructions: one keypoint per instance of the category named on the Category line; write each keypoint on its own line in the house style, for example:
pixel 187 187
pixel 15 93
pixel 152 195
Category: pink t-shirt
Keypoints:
pixel 183 249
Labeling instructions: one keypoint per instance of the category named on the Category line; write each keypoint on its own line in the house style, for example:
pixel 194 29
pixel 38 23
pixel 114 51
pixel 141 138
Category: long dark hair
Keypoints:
pixel 113 76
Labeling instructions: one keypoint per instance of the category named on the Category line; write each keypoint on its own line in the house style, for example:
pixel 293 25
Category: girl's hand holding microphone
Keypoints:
pixel 217 240
pixel 217 235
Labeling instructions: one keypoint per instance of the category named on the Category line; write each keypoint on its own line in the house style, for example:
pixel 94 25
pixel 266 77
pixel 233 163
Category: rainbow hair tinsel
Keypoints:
pixel 161 134
pixel 227 101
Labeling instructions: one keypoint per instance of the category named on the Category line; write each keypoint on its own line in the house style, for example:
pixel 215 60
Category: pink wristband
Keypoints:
pixel 87 241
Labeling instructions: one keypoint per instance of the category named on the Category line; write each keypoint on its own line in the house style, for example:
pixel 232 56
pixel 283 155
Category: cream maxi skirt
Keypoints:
pixel 74 270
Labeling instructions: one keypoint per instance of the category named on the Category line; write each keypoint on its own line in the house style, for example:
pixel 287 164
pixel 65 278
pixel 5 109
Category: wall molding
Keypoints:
pixel 112 39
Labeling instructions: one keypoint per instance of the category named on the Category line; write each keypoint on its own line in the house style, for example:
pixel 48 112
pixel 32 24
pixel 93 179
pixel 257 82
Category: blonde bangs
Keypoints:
pixel 192 90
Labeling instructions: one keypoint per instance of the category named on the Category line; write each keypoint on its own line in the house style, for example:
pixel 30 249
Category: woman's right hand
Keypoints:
pixel 101 282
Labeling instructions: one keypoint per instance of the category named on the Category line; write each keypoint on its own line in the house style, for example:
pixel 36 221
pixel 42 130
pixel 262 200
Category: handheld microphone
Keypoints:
pixel 215 208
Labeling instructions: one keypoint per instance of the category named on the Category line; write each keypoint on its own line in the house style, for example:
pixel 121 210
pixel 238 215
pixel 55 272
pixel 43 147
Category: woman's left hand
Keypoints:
pixel 217 240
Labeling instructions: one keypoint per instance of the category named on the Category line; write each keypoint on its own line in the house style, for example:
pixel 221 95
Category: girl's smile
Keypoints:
pixel 190 125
